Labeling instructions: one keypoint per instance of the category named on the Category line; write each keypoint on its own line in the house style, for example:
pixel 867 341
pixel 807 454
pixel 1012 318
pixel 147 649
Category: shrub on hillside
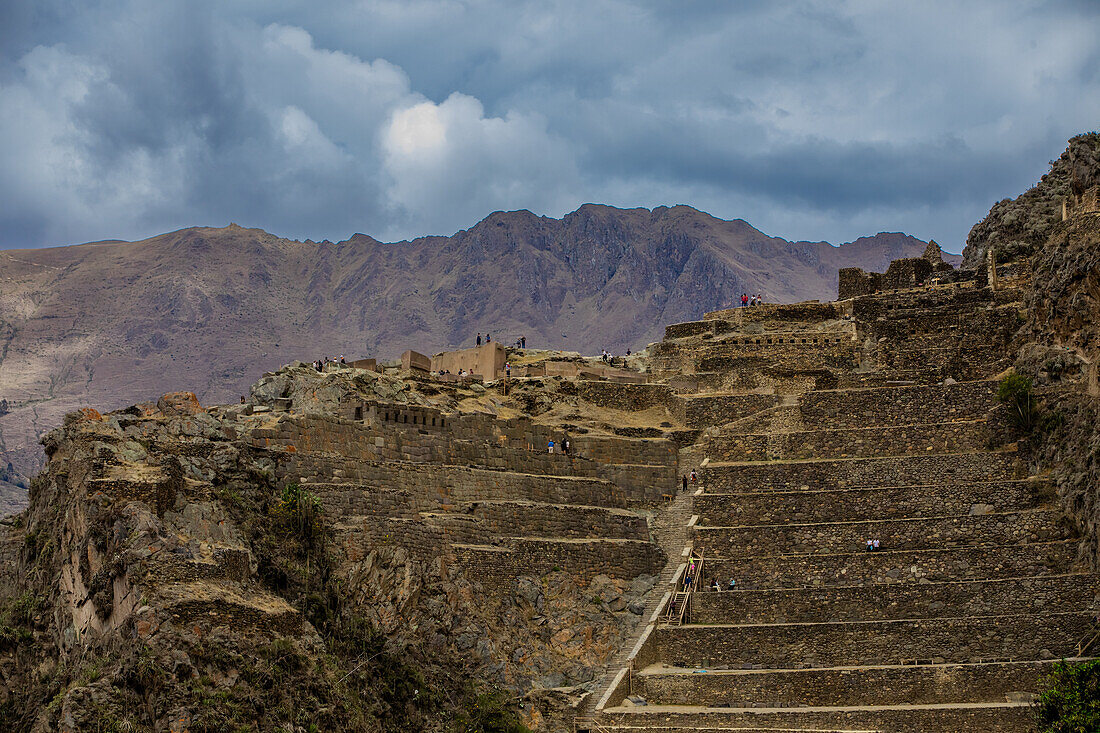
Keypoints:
pixel 300 510
pixel 1015 391
pixel 489 711
pixel 1071 703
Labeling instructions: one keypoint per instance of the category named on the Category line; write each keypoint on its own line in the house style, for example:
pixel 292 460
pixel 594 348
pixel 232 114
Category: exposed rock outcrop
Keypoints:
pixel 1061 352
pixel 1017 228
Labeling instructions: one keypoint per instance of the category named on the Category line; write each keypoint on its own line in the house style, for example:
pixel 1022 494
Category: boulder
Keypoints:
pixel 179 403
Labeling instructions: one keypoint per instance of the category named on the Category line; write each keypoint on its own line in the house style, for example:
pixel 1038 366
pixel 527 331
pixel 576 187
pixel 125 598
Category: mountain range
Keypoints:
pixel 209 309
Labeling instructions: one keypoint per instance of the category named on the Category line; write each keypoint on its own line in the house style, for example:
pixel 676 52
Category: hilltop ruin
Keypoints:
pixel 397 548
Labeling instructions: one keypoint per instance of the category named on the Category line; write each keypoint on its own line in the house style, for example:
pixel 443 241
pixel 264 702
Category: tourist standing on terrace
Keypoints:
pixel 744 300
pixel 479 339
pixel 523 342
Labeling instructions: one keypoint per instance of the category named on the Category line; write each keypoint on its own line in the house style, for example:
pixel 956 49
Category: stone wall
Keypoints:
pixel 640 482
pixel 368 364
pixel 706 410
pixel 1009 528
pixel 899 566
pixel 415 360
pixel 904 719
pixel 486 361
pixel 630 397
pixel 875 642
pixel 696 328
pixel 897 441
pixel 937 500
pixel 900 405
pixel 840 354
pixel 905 685
pixel 912 359
pixel 907 272
pixel 414 415
pixel 900 600
pixel 936 340
pixel 515 519
pixel 502 445
pixel 1087 202
pixel 961 298
pixel 862 472
pixel 810 311
pixel 606 449
pixel 357 539
pixel 774 351
pixel 584 560
pixel 854 281
pixel 431 486
pixel 947 323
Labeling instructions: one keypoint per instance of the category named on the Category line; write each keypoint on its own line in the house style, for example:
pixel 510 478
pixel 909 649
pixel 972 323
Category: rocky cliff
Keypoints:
pixel 1060 351
pixel 209 309
pixel 1059 344
pixel 1018 227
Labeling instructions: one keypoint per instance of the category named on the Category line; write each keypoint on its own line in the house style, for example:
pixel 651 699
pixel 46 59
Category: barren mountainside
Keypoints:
pixel 209 310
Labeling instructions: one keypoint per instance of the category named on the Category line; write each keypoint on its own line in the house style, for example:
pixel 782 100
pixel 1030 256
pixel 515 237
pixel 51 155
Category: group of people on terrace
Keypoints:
pixel 872 545
pixel 747 300
pixel 564 447
pixel 319 364
pixel 521 342
pixel 690 581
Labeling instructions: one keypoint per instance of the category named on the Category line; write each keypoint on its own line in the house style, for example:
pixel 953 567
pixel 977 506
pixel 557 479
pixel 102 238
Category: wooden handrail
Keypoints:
pixel 680 602
pixel 1088 640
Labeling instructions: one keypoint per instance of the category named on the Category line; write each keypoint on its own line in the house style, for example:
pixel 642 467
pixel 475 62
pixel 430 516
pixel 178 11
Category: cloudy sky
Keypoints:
pixel 810 119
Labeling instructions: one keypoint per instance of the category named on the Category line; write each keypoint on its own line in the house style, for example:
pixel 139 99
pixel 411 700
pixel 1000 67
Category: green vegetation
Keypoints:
pixel 490 711
pixel 301 511
pixel 1015 391
pixel 17 619
pixel 1071 703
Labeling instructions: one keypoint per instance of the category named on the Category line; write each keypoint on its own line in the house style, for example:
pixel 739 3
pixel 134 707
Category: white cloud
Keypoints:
pixel 445 160
pixel 416 132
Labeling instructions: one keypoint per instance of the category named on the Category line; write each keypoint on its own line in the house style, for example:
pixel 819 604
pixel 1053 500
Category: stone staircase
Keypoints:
pixel 671 533
pixel 949 626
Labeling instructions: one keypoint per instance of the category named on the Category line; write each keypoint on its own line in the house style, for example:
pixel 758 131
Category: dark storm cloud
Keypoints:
pixel 810 119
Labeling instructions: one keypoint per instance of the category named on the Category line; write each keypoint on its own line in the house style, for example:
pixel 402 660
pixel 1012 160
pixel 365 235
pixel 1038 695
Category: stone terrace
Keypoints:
pixel 975 589
pixel 479 491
